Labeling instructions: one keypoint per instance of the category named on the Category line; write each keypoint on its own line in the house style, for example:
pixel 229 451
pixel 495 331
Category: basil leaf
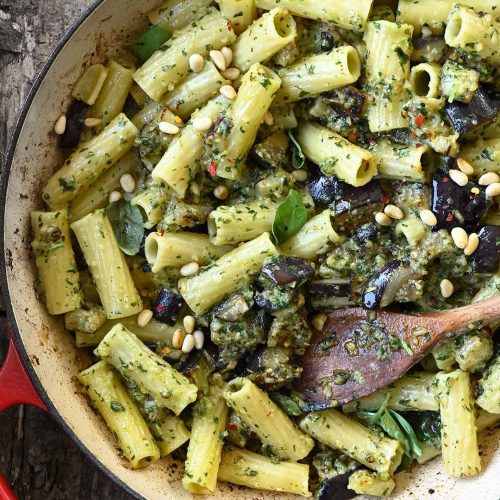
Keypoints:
pixel 415 451
pixel 127 224
pixel 391 428
pixel 298 158
pixel 149 42
pixel 287 404
pixel 290 216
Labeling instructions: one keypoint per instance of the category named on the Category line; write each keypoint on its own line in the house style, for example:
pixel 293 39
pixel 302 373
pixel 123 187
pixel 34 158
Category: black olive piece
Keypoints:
pixel 335 488
pixel 466 117
pixel 326 41
pixel 455 205
pixel 487 256
pixel 382 288
pixel 285 270
pixel 75 121
pixel 322 188
pixel 167 306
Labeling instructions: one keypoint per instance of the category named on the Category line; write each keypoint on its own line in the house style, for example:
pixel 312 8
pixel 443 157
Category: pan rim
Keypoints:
pixel 4 288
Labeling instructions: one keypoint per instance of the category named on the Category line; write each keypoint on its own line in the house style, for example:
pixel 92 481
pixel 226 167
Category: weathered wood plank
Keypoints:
pixel 36 456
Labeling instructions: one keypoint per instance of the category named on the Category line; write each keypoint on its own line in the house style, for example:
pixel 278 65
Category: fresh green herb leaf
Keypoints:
pixel 287 404
pixel 298 158
pixel 415 450
pixel 127 224
pixel 427 426
pixel 149 42
pixel 290 216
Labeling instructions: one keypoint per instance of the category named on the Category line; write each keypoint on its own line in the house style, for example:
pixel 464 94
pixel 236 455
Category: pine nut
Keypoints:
pixel 199 339
pixel 178 338
pixel 228 91
pixel 231 73
pixel 300 175
pixel 319 321
pixel 218 58
pixel 195 189
pixel 114 196
pixel 458 177
pixel 168 128
pixel 188 344
pixel 228 55
pixel 92 122
pixel 472 244
pixel 269 119
pixel 127 183
pixel 144 317
pixel 202 124
pixel 488 178
pixel 221 192
pixel 459 237
pixel 465 166
pixel 189 323
pixel 428 218
pixel 446 287
pixel 493 189
pixel 393 212
pixel 382 219
pixel 60 125
pixel 196 63
pixel 189 269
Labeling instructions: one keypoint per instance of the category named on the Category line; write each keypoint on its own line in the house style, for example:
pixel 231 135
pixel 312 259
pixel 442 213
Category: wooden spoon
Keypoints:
pixel 359 351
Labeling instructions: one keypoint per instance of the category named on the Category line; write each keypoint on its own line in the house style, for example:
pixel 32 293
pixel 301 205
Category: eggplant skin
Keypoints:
pixel 486 258
pixel 335 488
pixel 167 306
pixel 75 121
pixel 348 198
pixel 374 291
pixel 455 205
pixel 286 270
pixel 467 117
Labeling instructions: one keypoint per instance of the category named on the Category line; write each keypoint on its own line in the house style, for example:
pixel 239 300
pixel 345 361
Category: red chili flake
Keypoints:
pixel 231 427
pixel 418 145
pixel 449 218
pixel 229 27
pixel 229 160
pixel 384 199
pixel 212 169
pixel 445 179
pixel 419 120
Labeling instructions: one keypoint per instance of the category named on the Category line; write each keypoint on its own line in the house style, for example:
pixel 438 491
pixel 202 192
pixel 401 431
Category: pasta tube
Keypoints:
pixel 153 376
pixel 89 85
pixel 107 265
pixel 113 94
pixel 257 90
pixel 458 424
pixel 211 284
pixel 246 468
pixel 177 249
pixel 240 13
pixel 170 64
pixel 404 163
pixel 180 162
pixel 169 432
pixel 194 91
pixel 315 238
pixel 152 202
pixel 210 416
pixel 483 155
pixel 97 195
pixel 108 395
pixel 471 32
pixel 237 223
pixel 89 161
pixel 267 420
pixel 387 71
pixel 55 261
pixel 338 431
pixel 174 14
pixel 335 155
pixel 266 36
pixel 350 14
pixel 364 482
pixel 424 79
pixel 489 388
pixel 316 74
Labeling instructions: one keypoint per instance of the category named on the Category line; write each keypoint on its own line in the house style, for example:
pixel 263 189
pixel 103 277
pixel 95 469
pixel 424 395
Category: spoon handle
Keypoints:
pixel 486 312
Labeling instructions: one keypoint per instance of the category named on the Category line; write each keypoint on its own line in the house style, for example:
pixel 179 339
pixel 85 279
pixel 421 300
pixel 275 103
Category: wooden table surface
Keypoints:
pixel 38 459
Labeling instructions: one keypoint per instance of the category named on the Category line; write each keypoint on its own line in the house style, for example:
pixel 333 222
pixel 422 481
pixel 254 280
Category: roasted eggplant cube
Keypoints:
pixel 467 117
pixel 271 153
pixel 455 205
pixel 322 188
pixel 286 270
pixel 332 293
pixel 366 233
pixel 232 309
pixel 349 100
pixel 167 306
pixel 75 121
pixel 487 256
pixel 428 49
